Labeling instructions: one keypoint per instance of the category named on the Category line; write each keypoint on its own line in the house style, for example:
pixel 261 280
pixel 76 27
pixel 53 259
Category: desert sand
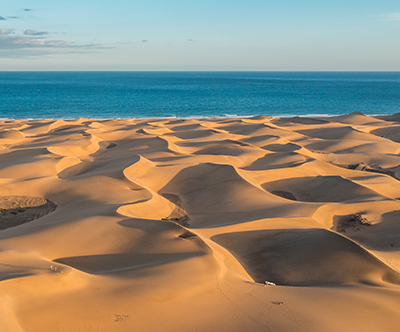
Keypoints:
pixel 241 224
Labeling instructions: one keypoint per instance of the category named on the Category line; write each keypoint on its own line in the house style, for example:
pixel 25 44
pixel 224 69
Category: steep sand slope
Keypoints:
pixel 176 224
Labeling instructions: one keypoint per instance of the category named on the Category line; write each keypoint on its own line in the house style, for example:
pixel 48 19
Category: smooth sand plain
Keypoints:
pixel 176 224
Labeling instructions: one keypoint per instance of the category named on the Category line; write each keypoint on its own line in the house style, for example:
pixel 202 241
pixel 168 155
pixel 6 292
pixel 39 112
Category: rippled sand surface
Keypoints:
pixel 244 224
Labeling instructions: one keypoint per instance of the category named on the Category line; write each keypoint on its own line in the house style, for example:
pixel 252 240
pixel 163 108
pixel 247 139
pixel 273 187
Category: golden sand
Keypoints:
pixel 252 224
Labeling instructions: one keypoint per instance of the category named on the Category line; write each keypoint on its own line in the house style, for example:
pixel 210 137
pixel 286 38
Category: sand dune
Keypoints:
pixel 278 160
pixel 11 134
pixel 311 257
pixel 321 189
pixel 392 133
pixel 176 224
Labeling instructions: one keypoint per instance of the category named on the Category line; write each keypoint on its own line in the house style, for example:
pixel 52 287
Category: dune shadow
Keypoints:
pixel 383 236
pixel 16 275
pixel 113 263
pixel 277 160
pixel 289 147
pixel 319 189
pixel 305 257
pixel 392 133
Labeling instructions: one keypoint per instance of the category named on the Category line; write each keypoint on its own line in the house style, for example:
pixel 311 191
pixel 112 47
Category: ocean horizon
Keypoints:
pixel 194 94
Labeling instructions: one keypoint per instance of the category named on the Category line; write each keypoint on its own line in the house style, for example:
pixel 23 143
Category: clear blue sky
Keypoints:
pixel 200 35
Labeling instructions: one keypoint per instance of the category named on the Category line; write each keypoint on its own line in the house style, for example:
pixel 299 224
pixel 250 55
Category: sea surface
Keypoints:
pixel 104 95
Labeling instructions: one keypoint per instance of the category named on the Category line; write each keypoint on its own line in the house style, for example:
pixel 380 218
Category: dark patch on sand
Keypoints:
pixel 179 215
pixel 18 210
pixel 353 222
pixel 284 194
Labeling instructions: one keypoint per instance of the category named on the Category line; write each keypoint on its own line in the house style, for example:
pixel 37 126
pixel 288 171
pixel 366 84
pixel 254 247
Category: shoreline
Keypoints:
pixel 204 117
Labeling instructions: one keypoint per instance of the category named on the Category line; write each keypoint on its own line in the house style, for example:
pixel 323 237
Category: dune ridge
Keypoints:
pixel 253 224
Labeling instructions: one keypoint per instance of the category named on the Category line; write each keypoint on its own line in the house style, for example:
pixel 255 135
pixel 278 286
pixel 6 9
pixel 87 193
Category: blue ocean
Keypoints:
pixel 104 95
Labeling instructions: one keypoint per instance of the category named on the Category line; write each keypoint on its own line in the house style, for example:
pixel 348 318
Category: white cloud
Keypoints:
pixel 390 17
pixel 8 42
pixel 35 43
pixel 6 31
pixel 24 42
pixel 30 32
pixel 21 46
